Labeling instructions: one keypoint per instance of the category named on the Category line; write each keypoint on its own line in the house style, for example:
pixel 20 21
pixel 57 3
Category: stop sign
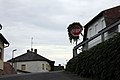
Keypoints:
pixel 76 31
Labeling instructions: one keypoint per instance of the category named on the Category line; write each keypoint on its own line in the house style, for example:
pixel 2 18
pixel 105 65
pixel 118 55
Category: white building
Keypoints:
pixel 32 62
pixel 105 19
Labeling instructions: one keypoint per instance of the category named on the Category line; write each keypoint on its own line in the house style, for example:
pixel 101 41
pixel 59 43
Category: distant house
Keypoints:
pixel 3 44
pixel 58 68
pixel 32 62
pixel 104 20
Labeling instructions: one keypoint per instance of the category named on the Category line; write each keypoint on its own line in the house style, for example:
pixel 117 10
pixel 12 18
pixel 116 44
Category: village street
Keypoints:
pixel 58 75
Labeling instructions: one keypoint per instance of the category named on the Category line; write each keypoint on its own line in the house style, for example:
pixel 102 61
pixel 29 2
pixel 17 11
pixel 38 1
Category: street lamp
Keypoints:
pixel 13 56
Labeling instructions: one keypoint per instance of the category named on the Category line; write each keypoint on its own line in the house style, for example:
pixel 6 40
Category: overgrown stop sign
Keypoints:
pixel 76 30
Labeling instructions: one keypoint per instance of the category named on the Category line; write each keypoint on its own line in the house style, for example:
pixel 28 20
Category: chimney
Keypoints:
pixel 28 51
pixel 31 49
pixel 35 50
pixel 59 65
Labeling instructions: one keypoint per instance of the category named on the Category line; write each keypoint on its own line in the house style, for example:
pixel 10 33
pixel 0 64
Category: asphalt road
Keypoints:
pixel 59 75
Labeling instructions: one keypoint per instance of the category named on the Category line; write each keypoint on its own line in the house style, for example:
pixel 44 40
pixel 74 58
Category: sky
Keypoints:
pixel 46 21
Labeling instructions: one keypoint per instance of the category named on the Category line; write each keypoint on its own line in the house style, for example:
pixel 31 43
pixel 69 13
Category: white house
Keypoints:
pixel 105 19
pixel 3 44
pixel 32 62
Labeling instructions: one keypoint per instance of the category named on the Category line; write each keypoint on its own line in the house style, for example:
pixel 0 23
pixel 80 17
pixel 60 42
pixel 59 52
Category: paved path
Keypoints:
pixel 43 76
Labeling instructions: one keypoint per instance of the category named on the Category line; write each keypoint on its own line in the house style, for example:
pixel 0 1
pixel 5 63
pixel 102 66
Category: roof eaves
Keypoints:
pixel 3 39
pixel 94 19
pixel 22 58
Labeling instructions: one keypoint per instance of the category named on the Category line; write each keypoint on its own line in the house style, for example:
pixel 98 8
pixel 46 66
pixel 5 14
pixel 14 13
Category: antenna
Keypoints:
pixel 31 43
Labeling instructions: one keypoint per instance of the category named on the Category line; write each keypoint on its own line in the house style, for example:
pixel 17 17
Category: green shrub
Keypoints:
pixel 101 62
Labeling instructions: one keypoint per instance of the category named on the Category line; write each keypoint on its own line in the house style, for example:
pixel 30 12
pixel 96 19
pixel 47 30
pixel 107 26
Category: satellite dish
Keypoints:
pixel 0 26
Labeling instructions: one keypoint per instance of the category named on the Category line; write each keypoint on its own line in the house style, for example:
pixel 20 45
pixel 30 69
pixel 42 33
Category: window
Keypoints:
pixel 0 53
pixel 103 24
pixel 43 66
pixel 23 67
pixel 90 32
pixel 47 66
pixel 96 28
pixel 118 28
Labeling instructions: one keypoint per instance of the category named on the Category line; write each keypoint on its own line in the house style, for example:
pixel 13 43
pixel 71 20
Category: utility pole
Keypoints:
pixel 31 43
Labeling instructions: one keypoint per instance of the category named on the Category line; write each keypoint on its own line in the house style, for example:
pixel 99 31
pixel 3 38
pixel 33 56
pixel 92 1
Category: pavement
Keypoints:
pixel 56 75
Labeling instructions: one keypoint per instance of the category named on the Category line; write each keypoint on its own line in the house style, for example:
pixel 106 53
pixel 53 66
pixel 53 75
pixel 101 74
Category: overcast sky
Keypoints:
pixel 46 21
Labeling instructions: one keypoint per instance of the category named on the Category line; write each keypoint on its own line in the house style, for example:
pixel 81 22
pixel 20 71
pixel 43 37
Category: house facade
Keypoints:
pixel 33 66
pixel 102 21
pixel 32 62
pixel 3 44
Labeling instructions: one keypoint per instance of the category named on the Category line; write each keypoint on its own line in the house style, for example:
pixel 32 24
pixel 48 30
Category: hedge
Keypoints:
pixel 101 62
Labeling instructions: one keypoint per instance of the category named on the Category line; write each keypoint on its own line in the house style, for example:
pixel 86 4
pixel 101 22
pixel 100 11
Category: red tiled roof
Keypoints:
pixel 112 15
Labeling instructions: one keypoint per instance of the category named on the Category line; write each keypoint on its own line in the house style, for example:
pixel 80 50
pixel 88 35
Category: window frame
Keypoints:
pixel 23 67
pixel 1 53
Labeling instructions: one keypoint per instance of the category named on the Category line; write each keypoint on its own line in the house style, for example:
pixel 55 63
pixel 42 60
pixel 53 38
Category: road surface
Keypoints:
pixel 58 75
